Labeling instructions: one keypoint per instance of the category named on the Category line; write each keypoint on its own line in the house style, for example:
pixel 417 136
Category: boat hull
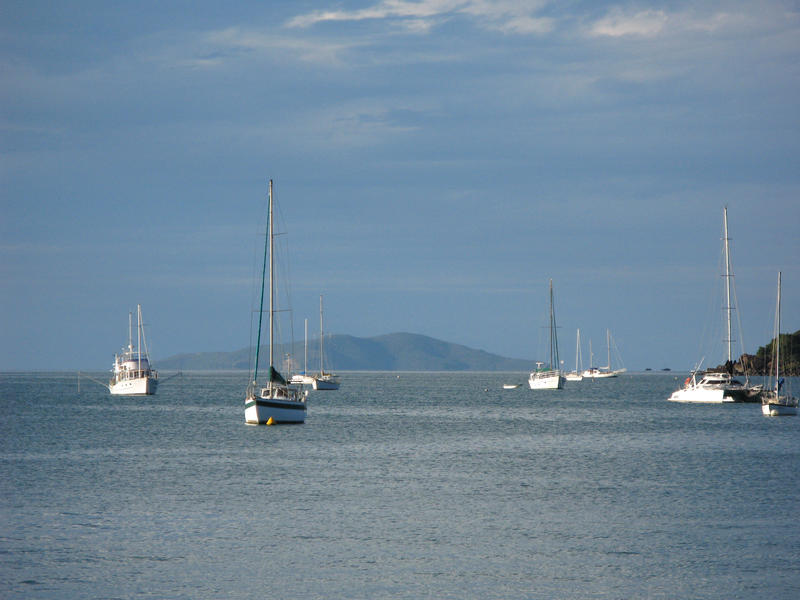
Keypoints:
pixel 599 374
pixel 546 381
pixel 701 396
pixel 324 384
pixel 778 410
pixel 258 411
pixel 140 386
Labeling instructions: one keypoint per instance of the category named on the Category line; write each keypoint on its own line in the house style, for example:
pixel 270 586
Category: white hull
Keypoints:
pixel 700 395
pixel 595 374
pixel 324 383
pixel 511 386
pixel 141 386
pixel 778 410
pixel 302 380
pixel 258 411
pixel 552 380
pixel 573 377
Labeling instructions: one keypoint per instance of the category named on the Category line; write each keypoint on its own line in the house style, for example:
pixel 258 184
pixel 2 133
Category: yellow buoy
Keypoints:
pixel 270 421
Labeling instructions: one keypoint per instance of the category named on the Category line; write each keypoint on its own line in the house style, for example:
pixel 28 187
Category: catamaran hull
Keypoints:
pixel 701 396
pixel 142 386
pixel 258 411
pixel 549 382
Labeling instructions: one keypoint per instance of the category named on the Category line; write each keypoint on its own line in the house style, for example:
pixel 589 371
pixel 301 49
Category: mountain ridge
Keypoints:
pixel 387 352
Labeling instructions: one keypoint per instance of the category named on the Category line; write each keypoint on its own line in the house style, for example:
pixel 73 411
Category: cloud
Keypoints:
pixel 507 16
pixel 648 23
pixel 744 19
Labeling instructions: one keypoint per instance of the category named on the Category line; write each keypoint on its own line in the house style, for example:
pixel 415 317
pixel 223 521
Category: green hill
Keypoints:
pixel 760 363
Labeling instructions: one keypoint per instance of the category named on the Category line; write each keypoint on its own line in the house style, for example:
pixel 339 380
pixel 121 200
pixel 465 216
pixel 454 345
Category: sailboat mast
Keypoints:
pixel 305 346
pixel 553 338
pixel 139 335
pixel 320 335
pixel 261 301
pixel 130 332
pixel 577 349
pixel 728 307
pixel 608 349
pixel 778 340
pixel 271 273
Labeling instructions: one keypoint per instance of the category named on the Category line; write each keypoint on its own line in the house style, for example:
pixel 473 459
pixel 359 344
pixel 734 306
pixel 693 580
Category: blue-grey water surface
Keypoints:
pixel 417 485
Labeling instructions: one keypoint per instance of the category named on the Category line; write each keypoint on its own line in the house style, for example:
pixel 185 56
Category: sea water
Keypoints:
pixel 409 485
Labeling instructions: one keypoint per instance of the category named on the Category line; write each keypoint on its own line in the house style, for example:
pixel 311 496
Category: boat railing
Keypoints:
pixel 122 375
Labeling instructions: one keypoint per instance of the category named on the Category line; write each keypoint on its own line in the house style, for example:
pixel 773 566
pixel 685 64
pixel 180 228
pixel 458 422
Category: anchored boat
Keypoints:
pixel 132 374
pixel 275 400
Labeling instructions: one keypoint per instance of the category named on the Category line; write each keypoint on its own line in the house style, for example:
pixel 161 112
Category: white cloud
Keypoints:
pixel 648 23
pixel 507 16
pixel 618 23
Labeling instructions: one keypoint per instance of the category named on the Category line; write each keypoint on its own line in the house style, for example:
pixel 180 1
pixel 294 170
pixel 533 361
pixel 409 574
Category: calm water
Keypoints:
pixel 433 485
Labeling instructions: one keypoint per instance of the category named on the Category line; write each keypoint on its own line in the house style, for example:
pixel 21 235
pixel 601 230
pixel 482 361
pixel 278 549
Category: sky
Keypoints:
pixel 435 164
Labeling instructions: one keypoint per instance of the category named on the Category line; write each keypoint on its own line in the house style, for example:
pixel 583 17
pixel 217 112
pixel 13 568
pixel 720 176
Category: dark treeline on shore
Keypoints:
pixel 761 363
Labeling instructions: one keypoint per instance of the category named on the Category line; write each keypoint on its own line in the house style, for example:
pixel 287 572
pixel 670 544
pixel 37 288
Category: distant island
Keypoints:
pixel 760 363
pixel 390 352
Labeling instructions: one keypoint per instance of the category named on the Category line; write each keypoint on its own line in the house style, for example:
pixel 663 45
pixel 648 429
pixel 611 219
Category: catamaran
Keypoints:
pixel 719 386
pixel 274 401
pixel 776 402
pixel 548 377
pixel 132 375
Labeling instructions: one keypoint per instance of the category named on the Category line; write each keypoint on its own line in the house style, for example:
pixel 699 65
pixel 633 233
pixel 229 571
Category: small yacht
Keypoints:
pixel 577 374
pixel 274 401
pixel 548 377
pixel 323 380
pixel 132 374
pixel 778 401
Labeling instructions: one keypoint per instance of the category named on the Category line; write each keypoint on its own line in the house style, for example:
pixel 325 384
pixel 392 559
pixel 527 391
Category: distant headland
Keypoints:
pixel 760 363
pixel 390 352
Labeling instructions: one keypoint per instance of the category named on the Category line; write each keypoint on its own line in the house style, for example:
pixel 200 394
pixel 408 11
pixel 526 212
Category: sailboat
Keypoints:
pixel 132 375
pixel 607 371
pixel 548 377
pixel 303 378
pixel 323 380
pixel 776 402
pixel 719 386
pixel 576 375
pixel 274 401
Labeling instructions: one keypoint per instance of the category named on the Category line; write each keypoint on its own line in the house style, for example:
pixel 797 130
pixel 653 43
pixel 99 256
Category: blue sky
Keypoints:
pixel 436 163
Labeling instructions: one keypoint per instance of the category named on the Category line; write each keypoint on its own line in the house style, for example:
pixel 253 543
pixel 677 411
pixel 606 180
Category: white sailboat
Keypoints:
pixel 607 371
pixel 303 378
pixel 577 374
pixel 716 386
pixel 132 375
pixel 549 377
pixel 776 402
pixel 274 401
pixel 323 380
